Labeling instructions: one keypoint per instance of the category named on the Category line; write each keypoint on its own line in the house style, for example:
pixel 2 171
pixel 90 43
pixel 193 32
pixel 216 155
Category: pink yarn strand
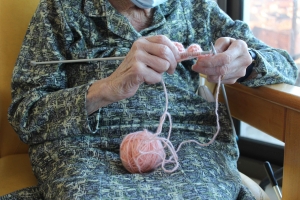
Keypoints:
pixel 166 113
pixel 171 148
pixel 217 121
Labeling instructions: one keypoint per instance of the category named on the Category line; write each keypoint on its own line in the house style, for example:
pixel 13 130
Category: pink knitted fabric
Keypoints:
pixel 179 46
pixel 193 51
pixel 194 48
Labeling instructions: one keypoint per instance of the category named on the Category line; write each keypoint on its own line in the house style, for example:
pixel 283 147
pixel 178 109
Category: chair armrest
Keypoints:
pixel 265 107
pixel 275 110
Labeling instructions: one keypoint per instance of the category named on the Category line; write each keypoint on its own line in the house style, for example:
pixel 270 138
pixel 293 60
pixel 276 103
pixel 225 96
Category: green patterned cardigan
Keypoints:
pixel 71 158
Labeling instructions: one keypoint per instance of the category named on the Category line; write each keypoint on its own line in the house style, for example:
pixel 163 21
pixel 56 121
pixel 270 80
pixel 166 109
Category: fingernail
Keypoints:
pixel 193 67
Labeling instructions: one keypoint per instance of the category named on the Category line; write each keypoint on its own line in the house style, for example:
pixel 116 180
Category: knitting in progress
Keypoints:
pixel 143 151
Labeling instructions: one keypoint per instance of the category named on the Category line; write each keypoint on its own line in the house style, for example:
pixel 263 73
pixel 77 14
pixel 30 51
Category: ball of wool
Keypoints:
pixel 141 152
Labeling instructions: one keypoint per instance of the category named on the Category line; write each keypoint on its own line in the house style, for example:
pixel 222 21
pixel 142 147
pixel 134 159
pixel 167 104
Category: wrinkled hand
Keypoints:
pixel 147 60
pixel 230 63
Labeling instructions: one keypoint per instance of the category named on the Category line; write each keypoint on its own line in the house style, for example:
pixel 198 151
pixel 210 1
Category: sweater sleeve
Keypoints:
pixel 272 65
pixel 43 107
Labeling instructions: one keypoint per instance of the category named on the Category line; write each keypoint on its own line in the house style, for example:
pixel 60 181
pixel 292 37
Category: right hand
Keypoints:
pixel 147 60
pixel 230 63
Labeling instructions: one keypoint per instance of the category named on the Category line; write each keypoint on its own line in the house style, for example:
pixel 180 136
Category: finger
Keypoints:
pixel 234 70
pixel 146 74
pixel 237 48
pixel 155 63
pixel 152 77
pixel 212 65
pixel 161 39
pixel 164 48
pixel 135 72
pixel 143 58
pixel 223 43
pixel 226 62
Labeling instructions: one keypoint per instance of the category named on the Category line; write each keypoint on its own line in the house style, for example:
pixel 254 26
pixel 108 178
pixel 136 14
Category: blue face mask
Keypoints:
pixel 144 4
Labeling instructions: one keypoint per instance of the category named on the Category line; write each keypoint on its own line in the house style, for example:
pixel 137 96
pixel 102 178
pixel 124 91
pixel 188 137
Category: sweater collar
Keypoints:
pixel 119 24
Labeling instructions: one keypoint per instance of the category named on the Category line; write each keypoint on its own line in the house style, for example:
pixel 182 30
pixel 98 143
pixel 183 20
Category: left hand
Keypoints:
pixel 230 62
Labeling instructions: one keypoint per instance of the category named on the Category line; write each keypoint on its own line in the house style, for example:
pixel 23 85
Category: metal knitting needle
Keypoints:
pixel 225 95
pixel 213 49
pixel 33 63
pixel 273 180
pixel 195 54
pixel 186 55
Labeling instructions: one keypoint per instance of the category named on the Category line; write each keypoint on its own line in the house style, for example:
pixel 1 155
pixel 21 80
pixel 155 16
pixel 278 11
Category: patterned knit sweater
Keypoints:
pixel 72 157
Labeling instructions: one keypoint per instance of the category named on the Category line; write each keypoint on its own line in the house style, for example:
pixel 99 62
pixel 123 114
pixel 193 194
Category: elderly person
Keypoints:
pixel 75 115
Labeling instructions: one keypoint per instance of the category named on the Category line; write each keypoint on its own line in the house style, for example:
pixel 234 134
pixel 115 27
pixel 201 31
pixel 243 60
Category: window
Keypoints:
pixel 277 23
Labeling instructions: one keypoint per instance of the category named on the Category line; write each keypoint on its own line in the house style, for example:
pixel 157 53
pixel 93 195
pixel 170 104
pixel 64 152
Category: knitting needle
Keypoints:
pixel 224 94
pixel 213 49
pixel 191 55
pixel 185 55
pixel 272 179
pixel 33 63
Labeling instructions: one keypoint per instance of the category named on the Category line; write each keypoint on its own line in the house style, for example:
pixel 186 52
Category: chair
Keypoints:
pixel 15 169
pixel 280 105
pixel 274 109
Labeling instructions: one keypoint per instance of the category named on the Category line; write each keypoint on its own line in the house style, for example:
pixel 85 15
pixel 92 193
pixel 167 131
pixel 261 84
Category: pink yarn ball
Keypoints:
pixel 141 152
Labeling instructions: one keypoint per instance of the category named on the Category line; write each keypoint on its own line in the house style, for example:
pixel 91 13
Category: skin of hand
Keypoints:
pixel 146 61
pixel 230 62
